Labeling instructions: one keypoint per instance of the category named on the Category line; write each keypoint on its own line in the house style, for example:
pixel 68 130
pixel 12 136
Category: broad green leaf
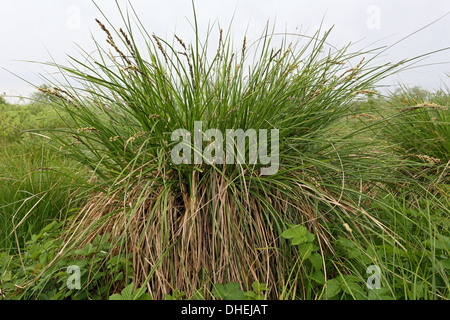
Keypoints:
pixel 350 248
pixel 316 260
pixel 229 291
pixel 318 276
pixel 87 250
pixel 6 277
pixel 350 278
pixel 306 249
pixel 379 294
pixel 127 292
pixel 445 263
pixel 176 295
pixel 144 296
pixel 299 234
pixel 333 287
pixel 258 287
pixel 441 242
pixel 116 297
pixel 351 287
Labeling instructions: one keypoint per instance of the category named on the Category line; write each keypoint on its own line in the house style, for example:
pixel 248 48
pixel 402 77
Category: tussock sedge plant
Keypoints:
pixel 191 225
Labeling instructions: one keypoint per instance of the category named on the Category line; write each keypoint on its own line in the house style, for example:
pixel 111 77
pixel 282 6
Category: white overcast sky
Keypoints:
pixel 40 29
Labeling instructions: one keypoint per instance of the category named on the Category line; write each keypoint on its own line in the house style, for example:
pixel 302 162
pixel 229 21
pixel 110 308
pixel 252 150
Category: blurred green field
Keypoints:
pixel 35 182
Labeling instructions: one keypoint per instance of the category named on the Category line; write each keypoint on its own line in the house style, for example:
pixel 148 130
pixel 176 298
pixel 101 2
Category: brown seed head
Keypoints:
pixel 158 43
pixel 128 42
pixel 102 26
pixel 181 42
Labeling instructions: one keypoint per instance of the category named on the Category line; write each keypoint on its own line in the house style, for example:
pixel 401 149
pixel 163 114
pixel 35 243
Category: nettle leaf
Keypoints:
pixel 318 276
pixel 118 277
pixel 8 287
pixel 102 240
pixel 258 287
pixel 354 289
pixel 127 292
pixel 51 226
pixel 6 277
pixel 387 249
pixel 348 284
pixel 229 291
pixel 141 296
pixel 350 248
pixel 256 293
pixel 43 258
pixel 333 287
pixel 87 250
pixel 176 295
pixel 379 294
pixel 316 260
pixel 299 234
pixel 116 297
pixel 306 249
pixel 251 295
pixel 444 263
pixel 441 242
pixel 57 295
pixel 80 263
pixel 350 278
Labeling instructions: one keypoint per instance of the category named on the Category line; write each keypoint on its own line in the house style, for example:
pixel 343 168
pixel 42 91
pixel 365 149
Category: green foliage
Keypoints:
pixel 31 275
pixel 129 294
pixel 232 291
pixel 36 187
pixel 258 291
pixel 176 295
pixel 303 240
pixel 346 285
pixel 14 119
pixel 413 267
pixel 228 291
pixel 299 234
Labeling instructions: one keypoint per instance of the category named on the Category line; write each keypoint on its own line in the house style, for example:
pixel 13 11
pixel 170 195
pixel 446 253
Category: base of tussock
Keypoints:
pixel 188 242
